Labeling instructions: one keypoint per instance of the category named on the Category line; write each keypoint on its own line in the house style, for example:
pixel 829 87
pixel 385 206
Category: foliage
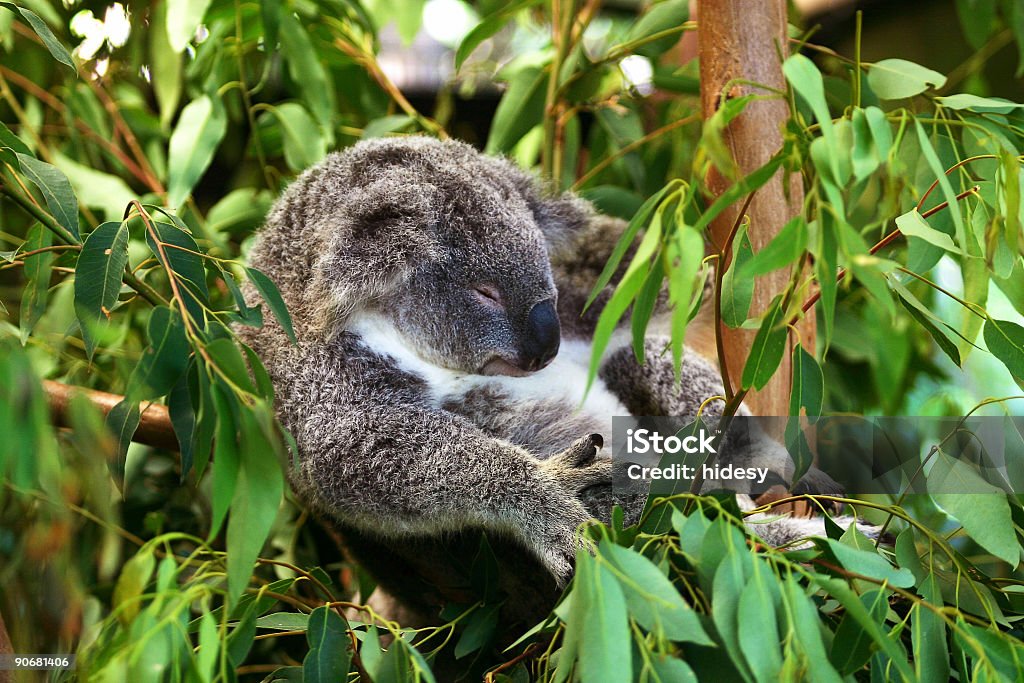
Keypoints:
pixel 134 172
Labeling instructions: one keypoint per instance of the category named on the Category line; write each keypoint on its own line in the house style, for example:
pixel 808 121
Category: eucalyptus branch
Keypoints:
pixel 886 241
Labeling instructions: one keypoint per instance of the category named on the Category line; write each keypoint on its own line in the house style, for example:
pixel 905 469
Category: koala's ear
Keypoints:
pixel 559 216
pixel 370 245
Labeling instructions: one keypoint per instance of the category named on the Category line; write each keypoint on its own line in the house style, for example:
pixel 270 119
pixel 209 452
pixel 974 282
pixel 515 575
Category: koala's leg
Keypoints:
pixel 650 388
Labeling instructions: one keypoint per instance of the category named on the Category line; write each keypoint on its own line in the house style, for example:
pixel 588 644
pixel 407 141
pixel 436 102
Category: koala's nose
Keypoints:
pixel 543 334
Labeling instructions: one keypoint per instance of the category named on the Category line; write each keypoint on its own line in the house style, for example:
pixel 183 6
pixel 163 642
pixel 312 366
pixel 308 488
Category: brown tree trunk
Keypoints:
pixel 742 39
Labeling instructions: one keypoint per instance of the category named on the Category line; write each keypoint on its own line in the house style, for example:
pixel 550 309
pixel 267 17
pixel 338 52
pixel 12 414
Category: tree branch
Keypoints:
pixel 155 427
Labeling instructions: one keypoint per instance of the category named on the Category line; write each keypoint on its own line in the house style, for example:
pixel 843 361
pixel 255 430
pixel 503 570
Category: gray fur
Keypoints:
pixel 379 253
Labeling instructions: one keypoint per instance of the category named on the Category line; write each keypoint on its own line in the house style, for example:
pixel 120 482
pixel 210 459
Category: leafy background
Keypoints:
pixel 142 145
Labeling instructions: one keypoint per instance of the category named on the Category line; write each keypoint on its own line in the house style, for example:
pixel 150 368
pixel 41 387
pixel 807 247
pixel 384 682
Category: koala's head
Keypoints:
pixel 453 248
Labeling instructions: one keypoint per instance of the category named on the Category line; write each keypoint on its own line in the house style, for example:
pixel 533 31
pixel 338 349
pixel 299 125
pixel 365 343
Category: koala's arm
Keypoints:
pixel 386 465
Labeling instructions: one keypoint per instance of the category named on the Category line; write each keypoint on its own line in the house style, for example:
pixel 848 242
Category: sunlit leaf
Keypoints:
pixel 897 79
pixel 195 139
pixel 56 48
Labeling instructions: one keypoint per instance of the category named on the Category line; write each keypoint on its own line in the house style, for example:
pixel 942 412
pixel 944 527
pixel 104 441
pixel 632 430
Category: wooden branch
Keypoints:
pixel 155 427
pixel 741 40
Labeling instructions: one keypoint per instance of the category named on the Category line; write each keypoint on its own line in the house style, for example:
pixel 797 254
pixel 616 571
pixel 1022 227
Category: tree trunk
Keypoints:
pixel 742 39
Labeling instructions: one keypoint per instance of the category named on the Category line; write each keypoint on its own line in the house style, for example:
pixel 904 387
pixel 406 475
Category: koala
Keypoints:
pixel 436 389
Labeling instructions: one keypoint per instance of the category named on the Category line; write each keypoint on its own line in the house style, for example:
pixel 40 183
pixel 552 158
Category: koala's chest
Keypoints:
pixel 557 392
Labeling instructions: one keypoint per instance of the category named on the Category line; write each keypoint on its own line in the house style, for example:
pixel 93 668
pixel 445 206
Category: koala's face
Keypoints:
pixel 485 304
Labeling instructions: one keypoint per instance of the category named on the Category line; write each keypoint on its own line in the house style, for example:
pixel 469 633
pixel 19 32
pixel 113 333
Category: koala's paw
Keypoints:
pixel 581 453
pixel 817 482
pixel 577 467
pixel 560 544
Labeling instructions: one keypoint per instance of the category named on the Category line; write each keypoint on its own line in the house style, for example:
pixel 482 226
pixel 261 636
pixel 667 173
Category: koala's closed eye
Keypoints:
pixel 488 295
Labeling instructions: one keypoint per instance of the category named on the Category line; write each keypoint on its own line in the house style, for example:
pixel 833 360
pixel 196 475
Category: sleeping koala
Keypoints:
pixel 433 393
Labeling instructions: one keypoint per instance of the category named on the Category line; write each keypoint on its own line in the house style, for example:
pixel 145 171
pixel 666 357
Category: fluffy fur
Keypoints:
pixel 410 267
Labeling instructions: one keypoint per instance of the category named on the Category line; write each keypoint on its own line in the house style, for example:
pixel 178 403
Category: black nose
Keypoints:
pixel 540 343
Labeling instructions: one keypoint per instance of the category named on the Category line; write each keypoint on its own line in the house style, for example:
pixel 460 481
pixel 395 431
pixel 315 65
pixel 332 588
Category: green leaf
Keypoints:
pixel 183 18
pixel 96 189
pixel 56 189
pixel 979 506
pixel 240 640
pixel 304 146
pixel 651 599
pixel 1005 341
pixel 184 262
pixel 12 141
pixel 684 253
pixel 520 109
pixel 961 101
pixel 757 626
pixel 385 125
pixel 487 27
pixel 272 296
pixel 785 248
pixel 229 362
pixel 131 583
pixel 848 598
pixel 605 652
pixel 913 224
pixel 165 359
pixel 56 48
pixel 730 578
pixel 284 621
pixel 897 79
pixel 165 62
pixel 932 158
pixel 643 215
pixel 881 131
pixel 98 275
pixel 254 506
pixel 122 420
pixel 922 315
pixel 806 80
pixel 977 18
pixel 661 16
pixel 870 563
pixel 851 647
pixel 183 419
pixel 481 627
pixel 825 270
pixel 308 73
pixel 225 454
pixel 745 186
pixel 195 139
pixel 38 269
pixel 767 349
pixel 330 650
pixel 808 384
pixel 806 622
pixel 928 634
pixel 737 289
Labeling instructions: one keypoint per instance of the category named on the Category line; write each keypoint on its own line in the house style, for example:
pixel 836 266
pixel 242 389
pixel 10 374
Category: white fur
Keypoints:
pixel 565 378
